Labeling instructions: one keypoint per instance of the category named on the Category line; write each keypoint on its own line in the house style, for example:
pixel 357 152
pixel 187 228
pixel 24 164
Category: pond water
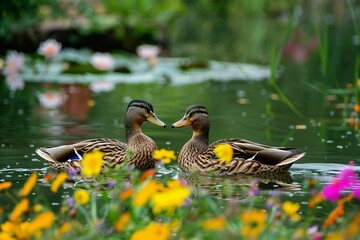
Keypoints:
pixel 237 109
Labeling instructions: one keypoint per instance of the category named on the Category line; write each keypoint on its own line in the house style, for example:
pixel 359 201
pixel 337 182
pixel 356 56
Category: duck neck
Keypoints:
pixel 131 129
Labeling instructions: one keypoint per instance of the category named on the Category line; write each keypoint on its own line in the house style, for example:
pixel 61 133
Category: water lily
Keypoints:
pixel 60 178
pixel 28 185
pixel 148 52
pixel 217 223
pixel 164 155
pixel 102 86
pixel 153 231
pixel 81 197
pixel 223 152
pixel 14 61
pixel 102 61
pixel 51 99
pixel 49 48
pixel 15 83
pixel 91 163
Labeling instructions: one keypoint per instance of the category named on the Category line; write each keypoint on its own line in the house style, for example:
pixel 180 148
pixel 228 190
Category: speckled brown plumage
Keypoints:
pixel 138 150
pixel 249 157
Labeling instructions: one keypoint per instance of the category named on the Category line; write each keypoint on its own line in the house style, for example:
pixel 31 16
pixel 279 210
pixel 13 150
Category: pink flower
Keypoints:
pixel 102 86
pixel 14 61
pixel 347 178
pixel 148 52
pixel 51 99
pixel 14 82
pixel 102 61
pixel 50 48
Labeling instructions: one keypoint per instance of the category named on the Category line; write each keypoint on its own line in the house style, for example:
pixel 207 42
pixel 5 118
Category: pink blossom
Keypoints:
pixel 14 82
pixel 51 99
pixel 102 86
pixel 148 52
pixel 14 61
pixel 346 179
pixel 50 48
pixel 102 61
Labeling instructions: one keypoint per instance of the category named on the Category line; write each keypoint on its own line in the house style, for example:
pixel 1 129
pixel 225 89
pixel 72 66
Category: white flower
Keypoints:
pixel 102 61
pixel 51 99
pixel 50 48
pixel 14 61
pixel 14 82
pixel 102 86
pixel 148 52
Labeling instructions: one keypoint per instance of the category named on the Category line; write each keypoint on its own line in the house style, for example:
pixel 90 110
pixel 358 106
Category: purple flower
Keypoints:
pixel 111 183
pixel 70 202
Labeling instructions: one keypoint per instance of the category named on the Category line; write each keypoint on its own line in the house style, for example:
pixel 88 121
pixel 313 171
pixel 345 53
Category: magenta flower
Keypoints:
pixel 345 180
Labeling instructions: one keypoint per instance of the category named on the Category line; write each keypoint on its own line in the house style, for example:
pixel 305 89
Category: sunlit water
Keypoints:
pixel 237 109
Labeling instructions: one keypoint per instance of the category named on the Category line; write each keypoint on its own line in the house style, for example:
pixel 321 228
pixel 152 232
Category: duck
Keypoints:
pixel 137 150
pixel 249 157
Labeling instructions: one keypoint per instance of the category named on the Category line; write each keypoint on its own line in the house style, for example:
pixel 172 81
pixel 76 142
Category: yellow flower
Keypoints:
pixel 6 236
pixel 122 221
pixel 353 228
pixel 91 164
pixel 81 196
pixel 290 209
pixel 224 152
pixel 20 208
pixel 66 227
pixel 217 223
pixel 145 192
pixel 5 185
pixel 169 199
pixel 164 155
pixel 337 235
pixel 42 221
pixel 37 207
pixel 28 185
pixel 153 231
pixel 60 178
pixel 253 223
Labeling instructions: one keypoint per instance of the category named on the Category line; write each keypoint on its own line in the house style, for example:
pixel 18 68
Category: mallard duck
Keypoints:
pixel 139 147
pixel 248 157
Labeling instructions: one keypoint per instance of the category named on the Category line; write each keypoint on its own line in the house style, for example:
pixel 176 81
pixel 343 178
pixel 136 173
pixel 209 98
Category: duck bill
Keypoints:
pixel 181 123
pixel 155 120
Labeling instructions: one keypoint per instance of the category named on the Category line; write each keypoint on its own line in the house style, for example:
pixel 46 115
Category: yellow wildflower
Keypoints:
pixel 224 152
pixel 337 235
pixel 37 207
pixel 353 229
pixel 5 185
pixel 122 221
pixel 64 228
pixel 20 208
pixel 253 223
pixel 164 155
pixel 153 231
pixel 217 223
pixel 42 221
pixel 290 209
pixel 145 192
pixel 169 199
pixel 28 185
pixel 81 196
pixel 91 164
pixel 6 236
pixel 60 178
pixel 127 193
